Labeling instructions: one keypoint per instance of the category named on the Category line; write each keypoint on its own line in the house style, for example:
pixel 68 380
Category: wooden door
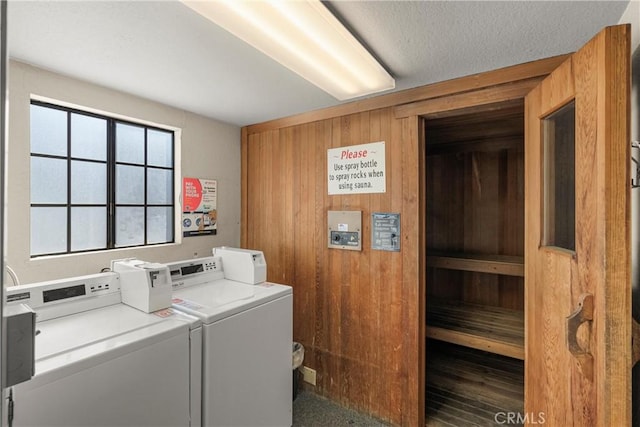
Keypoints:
pixel 577 250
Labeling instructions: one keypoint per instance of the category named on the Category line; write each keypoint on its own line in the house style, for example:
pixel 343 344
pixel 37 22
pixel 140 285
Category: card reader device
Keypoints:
pixel 242 265
pixel 144 285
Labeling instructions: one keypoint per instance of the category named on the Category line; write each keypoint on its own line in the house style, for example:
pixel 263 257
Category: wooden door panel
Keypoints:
pixel 569 390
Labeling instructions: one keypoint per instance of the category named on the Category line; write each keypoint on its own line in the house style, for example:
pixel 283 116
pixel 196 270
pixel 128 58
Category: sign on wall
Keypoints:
pixel 357 169
pixel 199 207
pixel 385 231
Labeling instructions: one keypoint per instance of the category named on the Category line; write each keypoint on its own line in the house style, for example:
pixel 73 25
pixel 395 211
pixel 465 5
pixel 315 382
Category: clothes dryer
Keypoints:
pixel 247 338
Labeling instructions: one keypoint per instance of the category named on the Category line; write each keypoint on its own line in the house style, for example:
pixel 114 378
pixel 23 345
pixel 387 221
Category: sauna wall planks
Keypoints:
pixel 475 205
pixel 356 313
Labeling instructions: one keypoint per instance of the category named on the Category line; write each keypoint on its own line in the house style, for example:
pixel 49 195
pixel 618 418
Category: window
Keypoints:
pixel 559 178
pixel 98 182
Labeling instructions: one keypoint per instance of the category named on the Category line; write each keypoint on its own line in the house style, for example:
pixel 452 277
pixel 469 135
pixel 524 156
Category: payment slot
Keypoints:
pixel 345 230
pixel 144 285
pixel 242 265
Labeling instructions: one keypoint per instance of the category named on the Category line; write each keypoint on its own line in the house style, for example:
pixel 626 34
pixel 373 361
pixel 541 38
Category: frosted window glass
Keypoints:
pixel 129 144
pixel 88 228
pixel 159 148
pixel 159 186
pixel 129 184
pixel 48 180
pixel 88 183
pixel 48 131
pixel 88 137
pixel 129 226
pixel 48 230
pixel 159 225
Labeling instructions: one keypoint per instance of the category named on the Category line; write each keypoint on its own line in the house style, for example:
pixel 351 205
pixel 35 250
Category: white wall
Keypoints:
pixel 210 149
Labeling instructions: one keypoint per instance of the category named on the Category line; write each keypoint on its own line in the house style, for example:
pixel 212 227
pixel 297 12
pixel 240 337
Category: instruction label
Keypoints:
pixel 165 312
pixel 187 304
pixel 357 169
pixel 385 231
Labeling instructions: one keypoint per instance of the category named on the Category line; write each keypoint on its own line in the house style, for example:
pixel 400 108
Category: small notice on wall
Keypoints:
pixel 357 169
pixel 199 207
pixel 385 231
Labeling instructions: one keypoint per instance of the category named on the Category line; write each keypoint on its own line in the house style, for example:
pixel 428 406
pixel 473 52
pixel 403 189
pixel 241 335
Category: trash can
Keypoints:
pixel 297 359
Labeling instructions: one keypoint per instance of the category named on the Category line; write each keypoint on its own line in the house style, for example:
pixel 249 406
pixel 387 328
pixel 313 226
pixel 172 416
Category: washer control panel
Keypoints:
pixel 195 271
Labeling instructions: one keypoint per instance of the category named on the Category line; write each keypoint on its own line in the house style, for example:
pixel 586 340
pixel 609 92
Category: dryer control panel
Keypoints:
pixel 195 271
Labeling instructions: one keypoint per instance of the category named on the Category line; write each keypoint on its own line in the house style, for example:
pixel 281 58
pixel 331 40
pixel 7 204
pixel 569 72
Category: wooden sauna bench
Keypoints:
pixel 489 328
pixel 493 329
pixel 497 264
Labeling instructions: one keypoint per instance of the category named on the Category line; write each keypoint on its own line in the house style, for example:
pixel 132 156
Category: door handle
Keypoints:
pixel 582 314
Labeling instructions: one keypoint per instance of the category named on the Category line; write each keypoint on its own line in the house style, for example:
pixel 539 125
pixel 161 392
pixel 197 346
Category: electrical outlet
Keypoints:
pixel 308 375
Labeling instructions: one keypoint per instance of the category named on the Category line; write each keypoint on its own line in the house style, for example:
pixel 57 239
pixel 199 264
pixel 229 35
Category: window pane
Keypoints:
pixel 159 225
pixel 159 186
pixel 88 228
pixel 88 137
pixel 129 226
pixel 129 184
pixel 559 178
pixel 159 148
pixel 129 144
pixel 88 183
pixel 48 230
pixel 48 180
pixel 48 131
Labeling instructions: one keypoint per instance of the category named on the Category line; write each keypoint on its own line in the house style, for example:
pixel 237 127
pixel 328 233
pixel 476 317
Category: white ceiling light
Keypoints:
pixel 304 37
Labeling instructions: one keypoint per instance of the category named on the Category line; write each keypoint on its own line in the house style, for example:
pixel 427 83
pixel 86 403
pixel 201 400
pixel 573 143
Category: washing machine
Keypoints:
pixel 99 362
pixel 247 339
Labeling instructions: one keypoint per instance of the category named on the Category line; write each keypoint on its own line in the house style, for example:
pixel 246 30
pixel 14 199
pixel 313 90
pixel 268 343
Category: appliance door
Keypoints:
pixel 145 384
pixel 247 367
pixel 195 367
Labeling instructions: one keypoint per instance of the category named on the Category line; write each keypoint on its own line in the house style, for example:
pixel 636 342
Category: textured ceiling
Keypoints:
pixel 166 52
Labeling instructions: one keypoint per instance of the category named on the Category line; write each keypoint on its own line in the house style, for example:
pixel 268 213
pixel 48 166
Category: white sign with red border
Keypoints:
pixel 357 169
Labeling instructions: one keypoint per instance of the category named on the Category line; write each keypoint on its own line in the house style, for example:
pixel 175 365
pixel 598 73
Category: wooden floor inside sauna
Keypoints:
pixel 467 387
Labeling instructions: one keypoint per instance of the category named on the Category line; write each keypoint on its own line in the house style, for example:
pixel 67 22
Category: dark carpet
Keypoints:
pixel 311 410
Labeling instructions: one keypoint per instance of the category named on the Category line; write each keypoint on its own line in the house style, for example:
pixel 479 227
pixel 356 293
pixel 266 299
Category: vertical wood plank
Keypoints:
pixel 613 93
pixel 378 129
pixel 244 182
pixel 412 409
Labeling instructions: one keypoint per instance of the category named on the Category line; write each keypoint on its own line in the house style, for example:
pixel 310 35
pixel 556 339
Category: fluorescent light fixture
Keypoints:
pixel 304 37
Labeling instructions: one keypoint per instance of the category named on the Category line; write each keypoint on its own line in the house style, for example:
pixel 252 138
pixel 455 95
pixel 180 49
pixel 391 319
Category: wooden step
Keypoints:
pixel 493 329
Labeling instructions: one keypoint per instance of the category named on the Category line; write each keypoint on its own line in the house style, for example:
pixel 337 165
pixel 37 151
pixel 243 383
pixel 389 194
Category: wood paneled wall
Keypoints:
pixel 475 200
pixel 355 312
pixel 360 315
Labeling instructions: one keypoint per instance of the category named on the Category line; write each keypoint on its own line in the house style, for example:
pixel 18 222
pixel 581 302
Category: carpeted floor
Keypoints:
pixel 311 410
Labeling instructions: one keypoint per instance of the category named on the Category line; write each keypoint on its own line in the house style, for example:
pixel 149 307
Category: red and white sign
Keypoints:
pixel 191 194
pixel 357 169
pixel 199 207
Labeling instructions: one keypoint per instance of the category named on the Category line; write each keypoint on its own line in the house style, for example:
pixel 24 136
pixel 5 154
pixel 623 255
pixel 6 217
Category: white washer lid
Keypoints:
pixel 222 298
pixel 68 333
pixel 73 343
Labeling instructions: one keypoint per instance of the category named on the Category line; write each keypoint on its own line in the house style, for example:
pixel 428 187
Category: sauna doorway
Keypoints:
pixel 475 265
